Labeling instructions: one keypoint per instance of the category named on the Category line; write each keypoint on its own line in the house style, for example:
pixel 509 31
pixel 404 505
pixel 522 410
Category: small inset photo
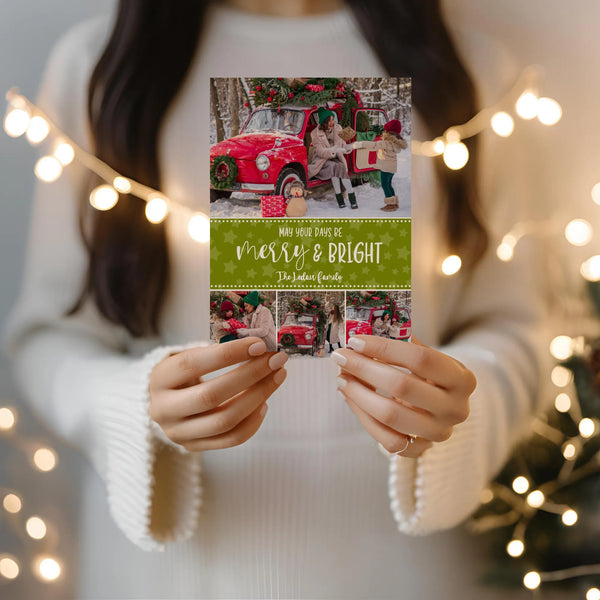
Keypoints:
pixel 239 314
pixel 310 323
pixel 382 313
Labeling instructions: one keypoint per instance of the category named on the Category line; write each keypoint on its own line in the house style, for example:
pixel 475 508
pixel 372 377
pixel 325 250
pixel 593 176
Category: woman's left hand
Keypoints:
pixel 425 398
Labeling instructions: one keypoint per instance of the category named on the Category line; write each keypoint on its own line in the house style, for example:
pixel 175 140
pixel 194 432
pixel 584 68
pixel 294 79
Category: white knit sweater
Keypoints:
pixel 308 507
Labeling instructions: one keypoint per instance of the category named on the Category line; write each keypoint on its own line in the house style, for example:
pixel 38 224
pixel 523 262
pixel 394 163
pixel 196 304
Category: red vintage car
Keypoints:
pixel 272 151
pixel 360 319
pixel 299 332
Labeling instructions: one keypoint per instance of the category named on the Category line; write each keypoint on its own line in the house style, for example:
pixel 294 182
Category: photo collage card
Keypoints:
pixel 310 240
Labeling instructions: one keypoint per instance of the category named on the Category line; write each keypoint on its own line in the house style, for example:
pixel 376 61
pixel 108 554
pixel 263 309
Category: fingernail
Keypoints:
pixel 340 395
pixel 340 359
pixel 257 348
pixel 263 410
pixel 277 361
pixel 356 344
pixel 279 376
pixel 341 382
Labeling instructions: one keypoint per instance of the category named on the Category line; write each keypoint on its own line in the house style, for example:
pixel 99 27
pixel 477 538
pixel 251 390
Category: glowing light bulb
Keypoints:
pixel 64 153
pixel 502 124
pixel 486 496
pixel 12 503
pixel 515 548
pixel 590 269
pixel 569 517
pixel 47 568
pixel 16 122
pixel 527 106
pixel 36 528
pixel 451 265
pixel 561 376
pixel 7 418
pixel 587 428
pixel 505 252
pixel 38 130
pixel 199 228
pixel 121 184
pixel 48 169
pixel 456 155
pixel 44 459
pixel 536 498
pixel 156 209
pixel 596 193
pixel 569 451
pixel 578 232
pixel 593 594
pixel 104 197
pixel 439 146
pixel 532 580
pixel 520 484
pixel 562 403
pixel 9 567
pixel 561 347
pixel 549 111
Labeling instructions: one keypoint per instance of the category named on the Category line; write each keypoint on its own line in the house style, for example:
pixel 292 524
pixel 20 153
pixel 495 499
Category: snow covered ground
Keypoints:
pixel 321 202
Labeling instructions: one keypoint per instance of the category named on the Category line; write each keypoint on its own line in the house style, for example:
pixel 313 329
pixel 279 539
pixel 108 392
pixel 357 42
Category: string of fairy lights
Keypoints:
pixel 43 564
pixel 524 502
pixel 524 101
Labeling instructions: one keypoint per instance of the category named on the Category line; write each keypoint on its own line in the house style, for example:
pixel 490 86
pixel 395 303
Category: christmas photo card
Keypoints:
pixel 310 210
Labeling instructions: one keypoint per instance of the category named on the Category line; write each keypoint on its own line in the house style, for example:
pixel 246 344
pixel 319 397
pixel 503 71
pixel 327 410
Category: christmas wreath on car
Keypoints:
pixel 223 172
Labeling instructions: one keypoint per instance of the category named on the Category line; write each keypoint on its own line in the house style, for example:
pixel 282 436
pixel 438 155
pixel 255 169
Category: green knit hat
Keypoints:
pixel 252 298
pixel 324 114
pixel 386 312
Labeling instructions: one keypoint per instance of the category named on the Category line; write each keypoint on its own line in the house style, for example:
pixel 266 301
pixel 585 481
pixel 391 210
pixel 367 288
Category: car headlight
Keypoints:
pixel 307 336
pixel 262 162
pixel 352 332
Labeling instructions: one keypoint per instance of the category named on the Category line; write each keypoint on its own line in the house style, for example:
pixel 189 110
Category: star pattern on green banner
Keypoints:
pixel 310 253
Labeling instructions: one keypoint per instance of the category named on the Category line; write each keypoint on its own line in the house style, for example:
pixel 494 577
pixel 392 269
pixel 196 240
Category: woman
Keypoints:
pixel 259 322
pixel 334 323
pixel 293 499
pixel 328 160
pixel 382 324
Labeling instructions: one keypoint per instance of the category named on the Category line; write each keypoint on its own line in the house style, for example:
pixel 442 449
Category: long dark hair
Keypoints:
pixel 144 65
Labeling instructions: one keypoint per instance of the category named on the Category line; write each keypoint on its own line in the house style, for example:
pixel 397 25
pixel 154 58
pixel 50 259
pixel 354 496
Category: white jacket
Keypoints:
pixel 297 510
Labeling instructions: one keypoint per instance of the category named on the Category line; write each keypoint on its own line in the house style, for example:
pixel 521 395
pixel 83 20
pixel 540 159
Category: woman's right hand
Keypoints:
pixel 224 411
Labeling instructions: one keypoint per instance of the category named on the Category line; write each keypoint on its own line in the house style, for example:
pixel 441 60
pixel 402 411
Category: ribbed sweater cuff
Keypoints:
pixel 443 487
pixel 129 444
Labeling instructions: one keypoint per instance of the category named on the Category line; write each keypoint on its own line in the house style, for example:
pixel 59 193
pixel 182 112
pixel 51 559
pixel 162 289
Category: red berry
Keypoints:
pixel 302 97
pixel 246 104
pixel 258 88
pixel 290 95
pixel 269 99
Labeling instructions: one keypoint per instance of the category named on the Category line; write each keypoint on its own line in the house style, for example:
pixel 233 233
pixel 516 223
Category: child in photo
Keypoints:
pixel 390 144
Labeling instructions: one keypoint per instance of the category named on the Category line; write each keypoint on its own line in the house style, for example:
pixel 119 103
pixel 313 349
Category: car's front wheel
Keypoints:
pixel 288 177
pixel 218 194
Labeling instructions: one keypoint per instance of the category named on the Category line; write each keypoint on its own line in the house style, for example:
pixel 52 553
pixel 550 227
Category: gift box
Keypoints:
pixel 272 206
pixel 235 324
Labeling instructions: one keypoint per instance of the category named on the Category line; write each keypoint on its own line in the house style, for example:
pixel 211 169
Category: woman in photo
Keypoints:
pixel 328 160
pixel 214 477
pixel 382 324
pixel 259 322
pixel 335 323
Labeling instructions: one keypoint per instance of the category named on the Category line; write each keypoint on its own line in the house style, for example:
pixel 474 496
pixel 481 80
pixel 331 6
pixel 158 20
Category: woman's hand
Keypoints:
pixel 224 411
pixel 425 399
